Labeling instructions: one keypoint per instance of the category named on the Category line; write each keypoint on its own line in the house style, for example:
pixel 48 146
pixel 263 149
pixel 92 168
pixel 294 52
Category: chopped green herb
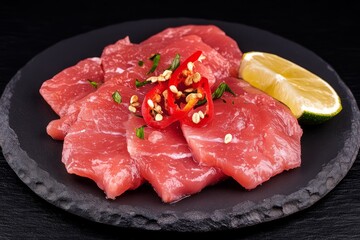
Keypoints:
pixel 175 63
pixel 219 91
pixel 201 102
pixel 223 87
pixel 155 58
pixel 93 83
pixel 140 63
pixel 140 84
pixel 117 97
pixel 140 133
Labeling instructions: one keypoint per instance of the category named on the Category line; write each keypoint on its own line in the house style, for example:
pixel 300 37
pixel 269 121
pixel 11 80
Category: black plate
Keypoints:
pixel 328 150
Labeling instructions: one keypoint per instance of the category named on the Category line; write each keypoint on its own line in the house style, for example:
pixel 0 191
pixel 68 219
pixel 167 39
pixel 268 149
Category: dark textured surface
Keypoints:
pixel 27 31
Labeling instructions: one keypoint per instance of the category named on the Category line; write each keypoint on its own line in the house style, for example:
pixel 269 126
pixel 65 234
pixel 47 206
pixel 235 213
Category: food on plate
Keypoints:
pixel 171 170
pixel 95 144
pixel 123 55
pixel 172 100
pixel 251 138
pixel 170 111
pixel 310 98
pixel 72 84
pixel 212 36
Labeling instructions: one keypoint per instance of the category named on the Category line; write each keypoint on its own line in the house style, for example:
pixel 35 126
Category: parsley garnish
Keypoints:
pixel 155 58
pixel 93 83
pixel 117 97
pixel 140 84
pixel 140 133
pixel 223 87
pixel 175 63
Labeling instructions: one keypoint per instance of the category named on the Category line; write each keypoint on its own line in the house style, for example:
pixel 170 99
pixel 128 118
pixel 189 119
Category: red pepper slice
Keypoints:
pixel 182 108
pixel 160 112
pixel 149 112
pixel 204 88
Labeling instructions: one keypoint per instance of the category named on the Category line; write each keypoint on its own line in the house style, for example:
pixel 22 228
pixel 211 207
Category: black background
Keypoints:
pixel 329 30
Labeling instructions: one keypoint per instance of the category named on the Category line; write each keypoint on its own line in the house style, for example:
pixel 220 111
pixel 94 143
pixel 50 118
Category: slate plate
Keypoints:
pixel 328 150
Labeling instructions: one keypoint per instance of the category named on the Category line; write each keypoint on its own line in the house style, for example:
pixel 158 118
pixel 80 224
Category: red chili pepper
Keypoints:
pixel 201 87
pixel 183 66
pixel 204 88
pixel 149 112
pixel 159 111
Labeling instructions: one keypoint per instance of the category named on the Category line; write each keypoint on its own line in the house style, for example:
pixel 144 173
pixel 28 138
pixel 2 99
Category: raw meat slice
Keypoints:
pixel 72 84
pixel 99 135
pixel 118 57
pixel 57 129
pixel 86 120
pixel 265 136
pixel 95 146
pixel 211 35
pixel 118 46
pixel 122 55
pixel 165 160
pixel 218 66
pixel 128 57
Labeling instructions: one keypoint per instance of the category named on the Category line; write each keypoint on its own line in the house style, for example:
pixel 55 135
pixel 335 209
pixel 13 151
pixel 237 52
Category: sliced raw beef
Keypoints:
pixel 165 160
pixel 57 129
pixel 95 146
pixel 211 35
pixel 265 136
pixel 72 84
pixel 100 142
pixel 118 57
pixel 128 57
pixel 218 66
pixel 118 46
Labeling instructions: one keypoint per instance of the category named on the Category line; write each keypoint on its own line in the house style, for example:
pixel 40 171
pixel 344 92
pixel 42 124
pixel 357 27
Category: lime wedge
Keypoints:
pixel 311 99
